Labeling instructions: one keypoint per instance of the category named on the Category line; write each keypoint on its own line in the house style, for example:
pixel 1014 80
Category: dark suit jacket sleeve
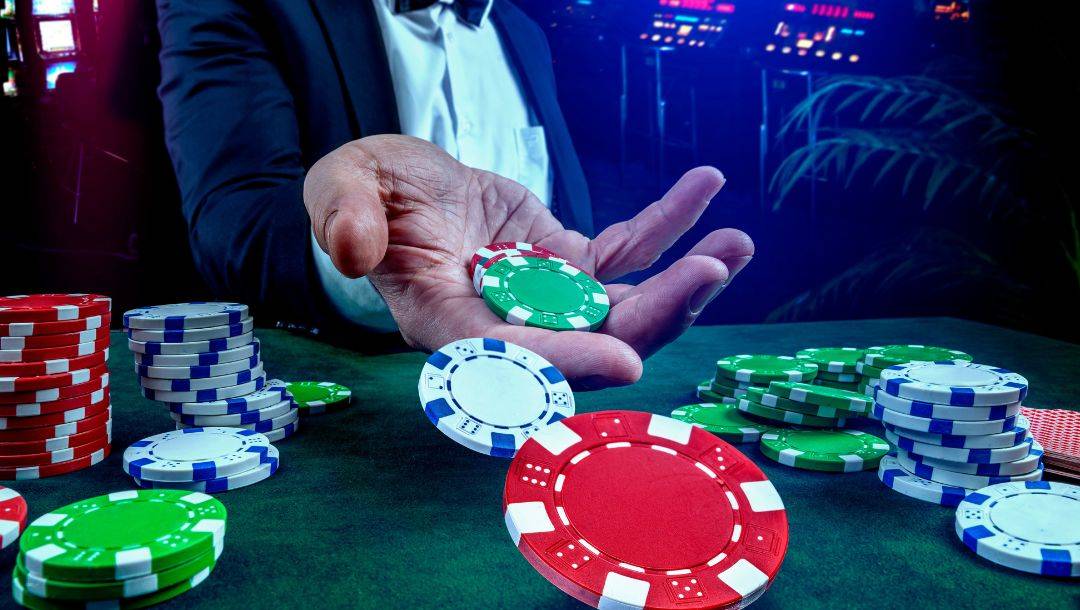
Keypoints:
pixel 231 131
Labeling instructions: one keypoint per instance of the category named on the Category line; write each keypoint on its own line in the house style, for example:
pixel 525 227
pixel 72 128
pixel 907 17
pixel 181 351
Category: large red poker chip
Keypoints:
pixel 35 329
pixel 624 509
pixel 58 340
pixel 47 382
pixel 491 250
pixel 52 307
pixel 14 424
pixel 52 470
pixel 49 367
pixel 53 353
pixel 59 430
pixel 92 385
pixel 33 409
pixel 56 444
pixel 13 513
pixel 54 457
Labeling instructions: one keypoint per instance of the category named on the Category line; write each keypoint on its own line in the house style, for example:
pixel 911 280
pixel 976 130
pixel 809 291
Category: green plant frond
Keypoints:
pixel 912 171
pixel 942 172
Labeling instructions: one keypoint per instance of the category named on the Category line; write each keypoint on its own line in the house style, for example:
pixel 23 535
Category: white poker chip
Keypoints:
pixel 1025 464
pixel 180 316
pixel 235 419
pixel 263 471
pixel 955 382
pixel 954 454
pixel 204 383
pixel 283 433
pixel 277 423
pixel 190 347
pixel 198 372
pixel 1029 526
pixel 274 392
pixel 192 334
pixel 915 464
pixel 464 388
pixel 936 411
pixel 195 454
pixel 199 360
pixel 1000 440
pixel 211 395
pixel 893 475
pixel 942 426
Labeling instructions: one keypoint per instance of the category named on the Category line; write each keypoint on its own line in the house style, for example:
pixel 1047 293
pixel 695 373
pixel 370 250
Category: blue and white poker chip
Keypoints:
pixel 942 426
pixel 198 372
pixel 935 411
pixel 266 469
pixel 914 464
pixel 1025 464
pixel 210 395
pixel 274 424
pixel 203 383
pixel 236 419
pixel 195 454
pixel 893 475
pixel 178 316
pixel 970 456
pixel 192 334
pixel 1029 526
pixel 200 360
pixel 190 347
pixel 273 393
pixel 283 433
pixel 954 382
pixel 464 388
pixel 1009 438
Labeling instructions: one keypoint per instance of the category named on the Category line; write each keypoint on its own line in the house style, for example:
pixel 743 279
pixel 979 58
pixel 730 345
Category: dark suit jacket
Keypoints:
pixel 255 92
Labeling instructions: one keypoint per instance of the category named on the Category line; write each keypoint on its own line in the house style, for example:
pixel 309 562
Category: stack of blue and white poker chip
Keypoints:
pixel 203 361
pixel 208 460
pixel 957 427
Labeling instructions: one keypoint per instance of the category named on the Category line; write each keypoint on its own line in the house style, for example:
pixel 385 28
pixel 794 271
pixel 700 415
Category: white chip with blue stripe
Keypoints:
pixel 195 454
pixel 893 475
pixel 273 393
pixel 491 396
pixel 954 382
pixel 182 335
pixel 179 316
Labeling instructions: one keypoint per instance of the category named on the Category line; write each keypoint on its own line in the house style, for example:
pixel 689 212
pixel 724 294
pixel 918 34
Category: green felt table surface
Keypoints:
pixel 374 508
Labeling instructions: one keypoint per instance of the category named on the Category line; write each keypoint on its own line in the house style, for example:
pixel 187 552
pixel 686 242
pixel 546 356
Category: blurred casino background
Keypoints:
pixel 889 157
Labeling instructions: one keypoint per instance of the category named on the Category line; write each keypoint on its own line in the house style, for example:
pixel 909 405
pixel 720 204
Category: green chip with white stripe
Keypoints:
pixel 824 450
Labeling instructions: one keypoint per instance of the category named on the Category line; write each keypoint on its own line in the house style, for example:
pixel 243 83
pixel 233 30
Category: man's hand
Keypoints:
pixel 409 216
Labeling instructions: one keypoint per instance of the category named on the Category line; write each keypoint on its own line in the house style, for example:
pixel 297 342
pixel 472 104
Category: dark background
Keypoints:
pixel 935 175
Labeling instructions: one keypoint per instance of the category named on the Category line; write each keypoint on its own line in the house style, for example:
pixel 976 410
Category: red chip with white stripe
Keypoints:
pixel 53 353
pixel 490 250
pixel 58 340
pixel 52 307
pixel 625 509
pixel 49 367
pixel 52 470
pixel 46 382
pixel 59 455
pixel 33 409
pixel 71 391
pixel 13 513
pixel 35 329
pixel 59 443
pixel 15 425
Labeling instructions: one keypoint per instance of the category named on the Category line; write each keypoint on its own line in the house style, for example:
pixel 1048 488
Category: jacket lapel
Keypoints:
pixel 353 35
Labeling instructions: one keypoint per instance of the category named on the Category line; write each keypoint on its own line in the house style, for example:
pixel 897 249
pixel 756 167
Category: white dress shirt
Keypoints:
pixel 454 87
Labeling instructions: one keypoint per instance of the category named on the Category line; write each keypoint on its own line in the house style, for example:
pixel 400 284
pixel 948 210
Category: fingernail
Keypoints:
pixel 704 296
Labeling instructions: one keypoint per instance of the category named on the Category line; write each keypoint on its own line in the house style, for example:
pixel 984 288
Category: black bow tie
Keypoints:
pixel 469 11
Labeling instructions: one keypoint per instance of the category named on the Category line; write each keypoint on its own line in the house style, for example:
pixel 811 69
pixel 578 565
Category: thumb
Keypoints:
pixel 342 195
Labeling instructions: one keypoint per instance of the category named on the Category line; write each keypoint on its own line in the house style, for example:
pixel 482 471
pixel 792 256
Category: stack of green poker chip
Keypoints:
pixel 723 420
pixel 763 397
pixel 844 400
pixel 545 293
pixel 773 414
pixel 736 374
pixel 880 357
pixel 837 365
pixel 705 392
pixel 317 397
pixel 824 450
pixel 127 549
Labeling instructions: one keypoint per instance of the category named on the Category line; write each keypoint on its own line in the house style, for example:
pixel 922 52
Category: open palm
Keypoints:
pixel 409 216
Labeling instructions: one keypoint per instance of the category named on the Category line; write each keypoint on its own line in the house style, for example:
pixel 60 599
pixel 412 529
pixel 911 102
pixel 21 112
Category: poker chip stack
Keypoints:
pixel 836 366
pixel 203 361
pixel 207 459
pixel 1058 431
pixel 128 549
pixel 878 357
pixel 528 285
pixel 957 427
pixel 55 415
pixel 736 374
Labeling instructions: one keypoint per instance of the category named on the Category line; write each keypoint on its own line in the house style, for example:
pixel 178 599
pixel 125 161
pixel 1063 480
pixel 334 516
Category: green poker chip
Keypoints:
pixel 763 397
pixel 732 388
pixel 314 397
pixel 883 356
pixel 824 450
pixel 545 293
pixel 788 417
pixel 833 359
pixel 838 377
pixel 763 368
pixel 851 387
pixel 115 589
pixel 122 535
pixel 723 420
pixel 866 370
pixel 29 600
pixel 704 392
pixel 822 395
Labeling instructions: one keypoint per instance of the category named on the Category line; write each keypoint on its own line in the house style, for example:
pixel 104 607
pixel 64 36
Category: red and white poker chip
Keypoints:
pixel 13 427
pixel 634 510
pixel 491 250
pixel 60 455
pixel 94 384
pixel 49 367
pixel 53 353
pixel 13 513
pixel 36 329
pixel 33 409
pixel 46 382
pixel 52 307
pixel 58 340
pixel 51 470
pixel 58 443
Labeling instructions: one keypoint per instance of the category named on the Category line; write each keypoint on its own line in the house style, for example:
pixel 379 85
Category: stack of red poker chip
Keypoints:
pixel 55 415
pixel 623 509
